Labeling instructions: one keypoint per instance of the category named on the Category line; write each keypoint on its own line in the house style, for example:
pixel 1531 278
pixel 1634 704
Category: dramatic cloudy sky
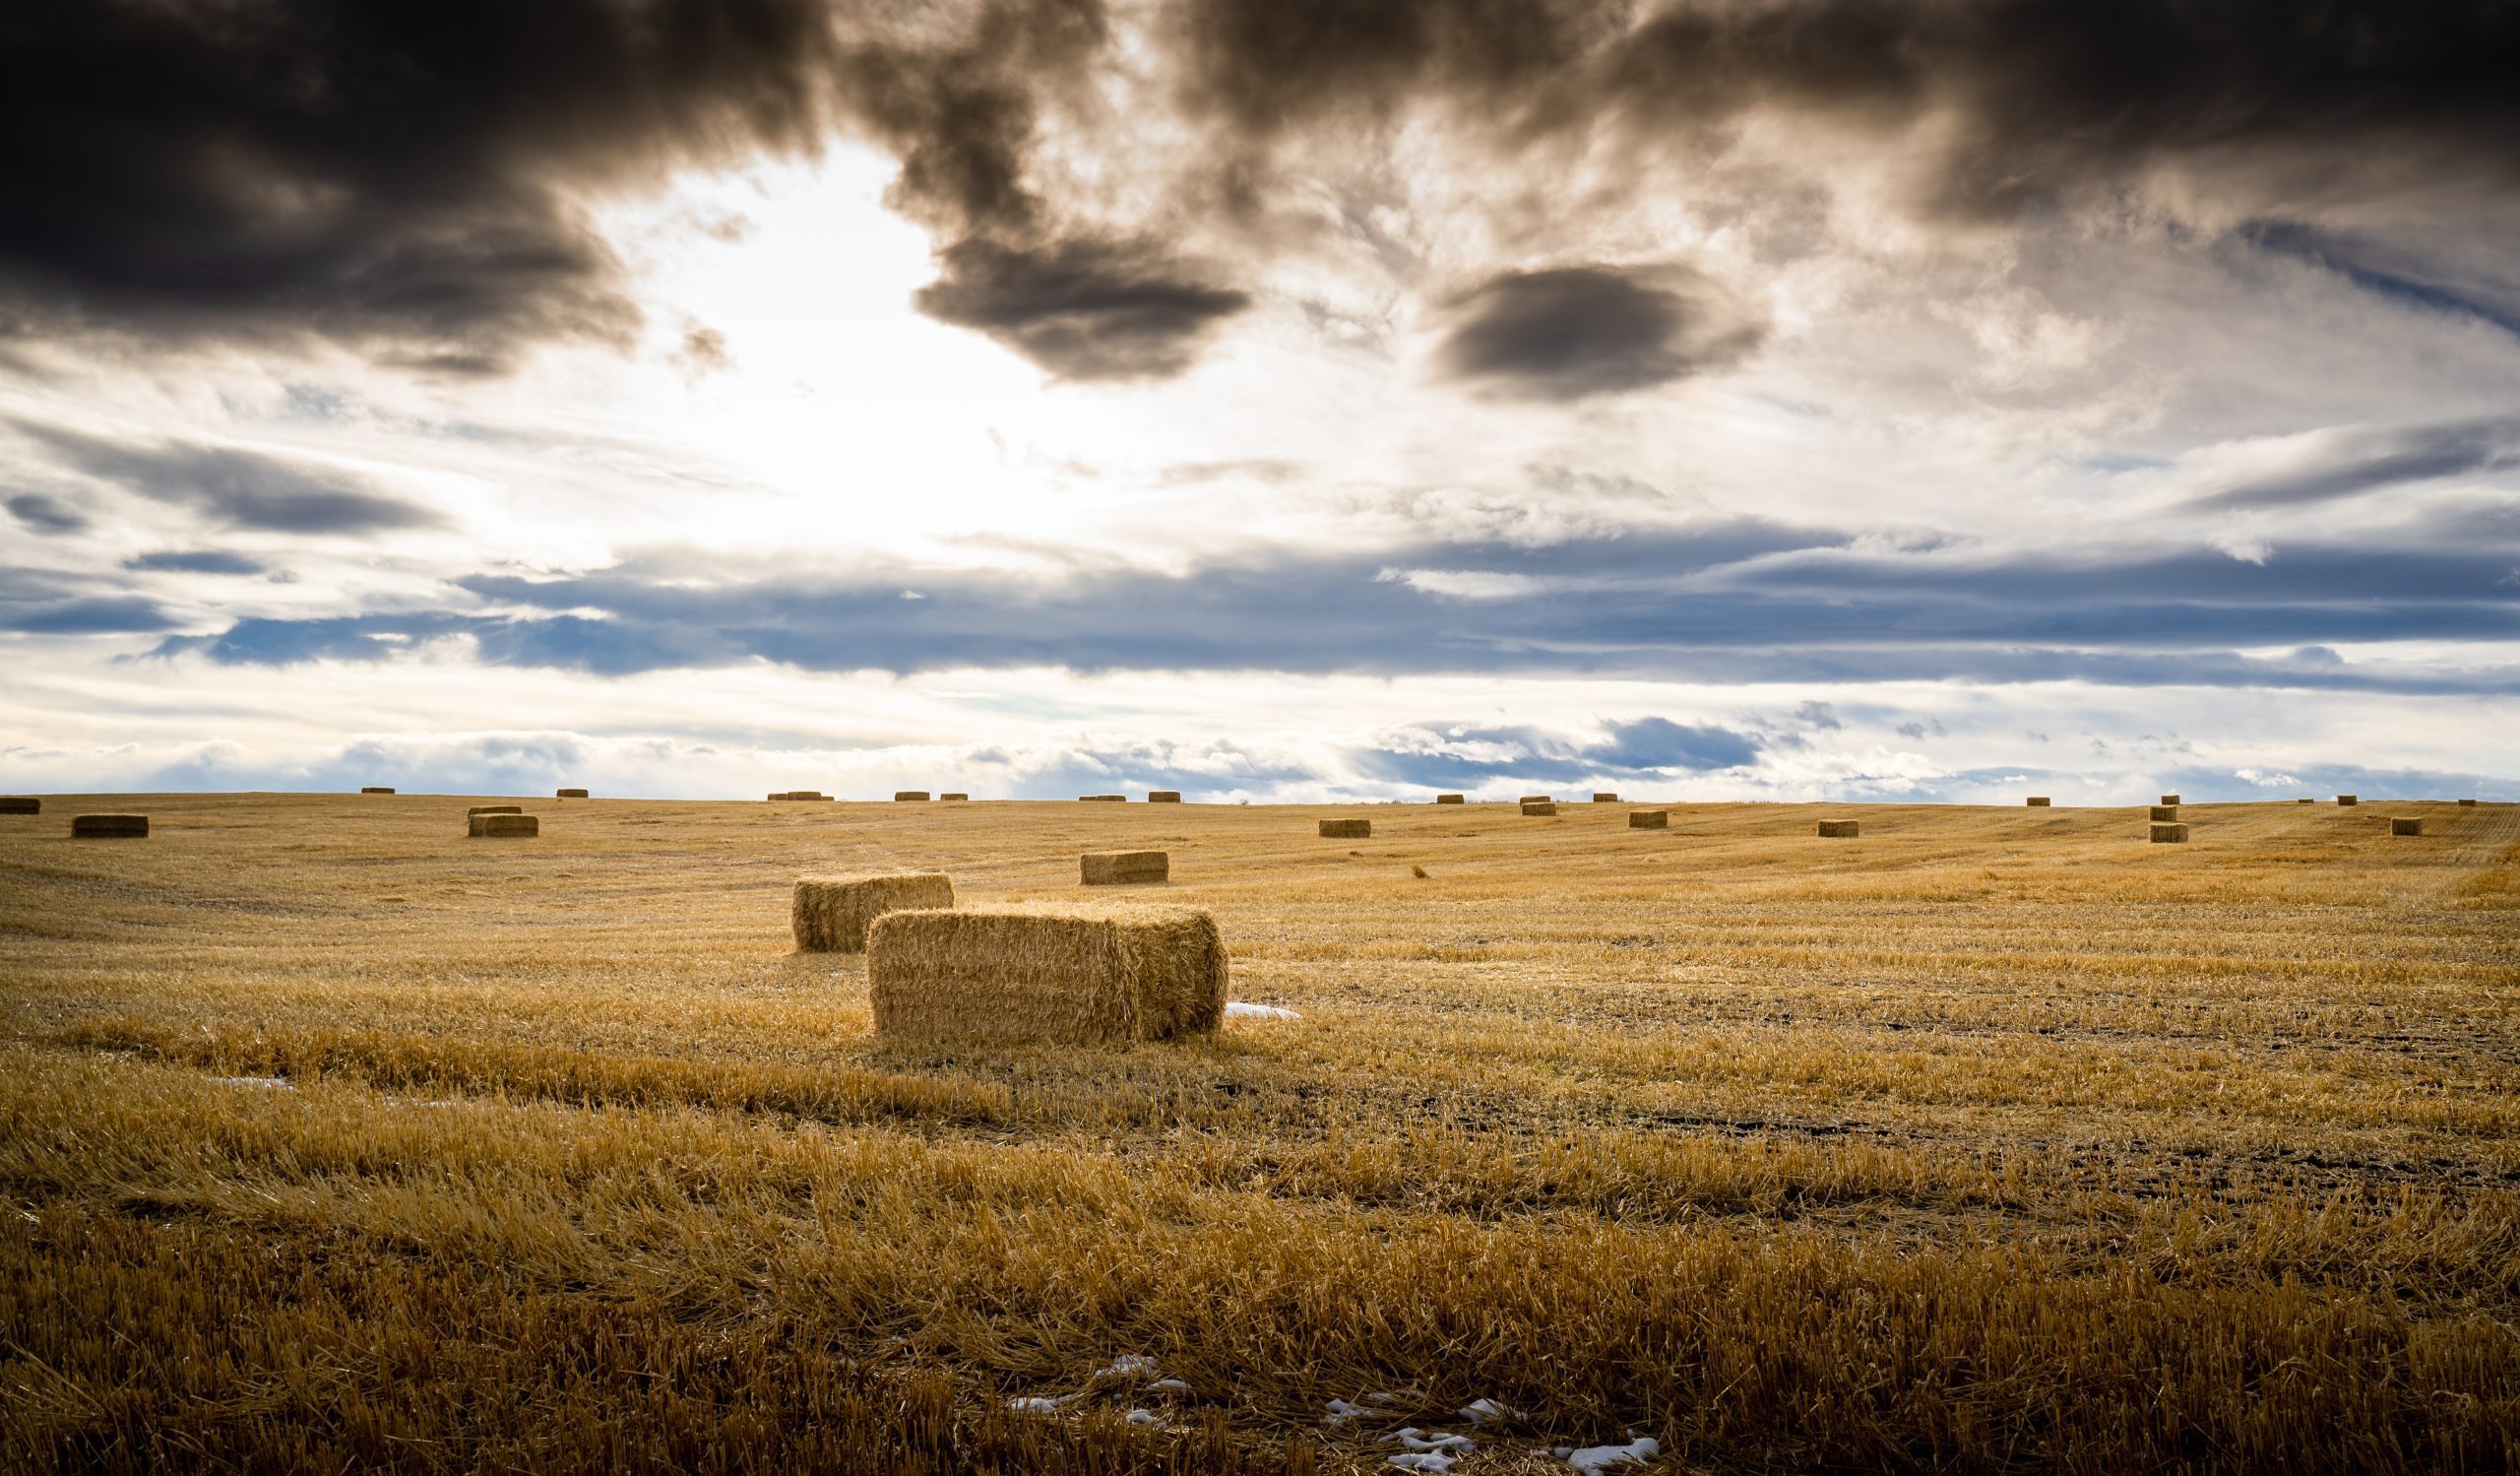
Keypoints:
pixel 1269 399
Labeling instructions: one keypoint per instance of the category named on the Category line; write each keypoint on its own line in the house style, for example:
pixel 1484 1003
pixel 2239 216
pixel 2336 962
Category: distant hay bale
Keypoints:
pixel 21 805
pixel 479 827
pixel 798 795
pixel 1540 807
pixel 101 826
pixel 2305 802
pixel 1538 800
pixel 1124 868
pixel 572 794
pixel 2170 799
pixel 496 809
pixel 1347 830
pixel 377 789
pixel 1164 797
pixel 2405 825
pixel 2038 801
pixel 952 796
pixel 898 795
pixel 2349 800
pixel 1600 797
pixel 1840 831
pixel 2165 832
pixel 831 914
pixel 1068 974
pixel 1102 799
pixel 2463 801
pixel 1448 800
pixel 1649 819
pixel 2165 814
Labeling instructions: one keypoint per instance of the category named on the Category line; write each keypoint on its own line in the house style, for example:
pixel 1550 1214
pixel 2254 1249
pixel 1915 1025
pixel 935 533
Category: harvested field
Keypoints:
pixel 2003 1141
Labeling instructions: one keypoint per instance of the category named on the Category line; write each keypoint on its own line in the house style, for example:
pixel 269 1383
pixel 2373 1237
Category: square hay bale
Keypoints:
pixel 1448 800
pixel 831 914
pixel 21 805
pixel 1540 807
pixel 1603 796
pixel 2349 800
pixel 2165 814
pixel 377 789
pixel 2463 801
pixel 2038 802
pixel 2405 825
pixel 1841 830
pixel 572 794
pixel 496 809
pixel 2305 802
pixel 1347 830
pixel 1537 799
pixel 101 826
pixel 1164 797
pixel 898 795
pixel 1072 974
pixel 478 827
pixel 1124 868
pixel 1649 819
pixel 952 794
pixel 1102 799
pixel 2168 831
pixel 2170 799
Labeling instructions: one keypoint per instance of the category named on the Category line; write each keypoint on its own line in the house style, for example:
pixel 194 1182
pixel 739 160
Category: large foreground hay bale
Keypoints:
pixel 909 795
pixel 1347 830
pixel 496 809
pixel 1603 797
pixel 1841 830
pixel 21 805
pixel 2405 825
pixel 101 826
pixel 1072 974
pixel 831 914
pixel 1540 807
pixel 377 789
pixel 572 794
pixel 1124 868
pixel 2349 800
pixel 2168 831
pixel 493 828
pixel 953 795
pixel 1649 819
pixel 2038 801
pixel 2165 814
pixel 1448 800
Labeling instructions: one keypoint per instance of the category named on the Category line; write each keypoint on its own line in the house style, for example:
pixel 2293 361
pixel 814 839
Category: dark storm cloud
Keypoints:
pixel 45 514
pixel 1082 309
pixel 2371 461
pixel 238 488
pixel 1574 332
pixel 400 174
pixel 200 561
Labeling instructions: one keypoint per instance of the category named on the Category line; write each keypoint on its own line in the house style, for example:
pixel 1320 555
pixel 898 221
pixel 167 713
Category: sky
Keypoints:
pixel 1272 400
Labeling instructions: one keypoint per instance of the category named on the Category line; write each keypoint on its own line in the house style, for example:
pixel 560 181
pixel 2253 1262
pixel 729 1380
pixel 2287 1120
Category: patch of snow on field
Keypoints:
pixel 1237 1009
pixel 1039 1405
pixel 1171 1386
pixel 1341 1412
pixel 1127 1366
pixel 1142 1417
pixel 1482 1411
pixel 1591 1461
pixel 1429 1461
pixel 1419 1439
pixel 267 1083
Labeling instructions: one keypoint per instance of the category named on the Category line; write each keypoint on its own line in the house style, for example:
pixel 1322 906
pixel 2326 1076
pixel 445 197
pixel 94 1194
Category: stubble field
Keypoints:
pixel 1994 1139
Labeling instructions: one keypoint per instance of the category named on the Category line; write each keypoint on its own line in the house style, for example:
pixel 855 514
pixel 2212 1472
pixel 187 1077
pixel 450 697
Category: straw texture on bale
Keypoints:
pixel 105 825
pixel 910 793
pixel 21 805
pixel 495 826
pixel 1073 975
pixel 377 789
pixel 831 914
pixel 2168 831
pixel 496 809
pixel 2038 801
pixel 2164 812
pixel 1604 797
pixel 1448 800
pixel 1649 819
pixel 1540 807
pixel 1537 799
pixel 2170 799
pixel 1124 868
pixel 1164 797
pixel 2463 801
pixel 572 794
pixel 2405 825
pixel 1348 830
pixel 1840 831
pixel 954 796
pixel 2349 800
